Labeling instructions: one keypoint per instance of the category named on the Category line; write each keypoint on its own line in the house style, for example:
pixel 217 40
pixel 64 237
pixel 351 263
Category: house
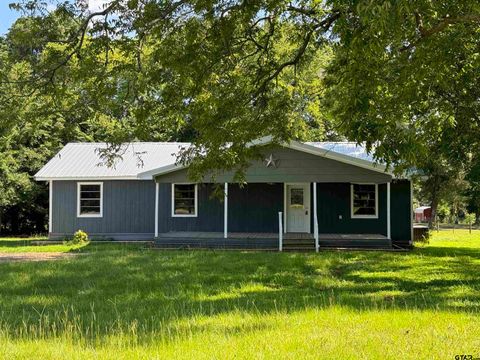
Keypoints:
pixel 423 214
pixel 299 195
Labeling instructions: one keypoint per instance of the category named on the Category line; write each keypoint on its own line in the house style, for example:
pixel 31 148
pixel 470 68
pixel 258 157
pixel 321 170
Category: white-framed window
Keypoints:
pixel 89 199
pixel 364 201
pixel 184 200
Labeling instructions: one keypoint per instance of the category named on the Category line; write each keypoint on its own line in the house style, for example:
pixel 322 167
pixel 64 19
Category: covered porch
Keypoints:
pixel 299 196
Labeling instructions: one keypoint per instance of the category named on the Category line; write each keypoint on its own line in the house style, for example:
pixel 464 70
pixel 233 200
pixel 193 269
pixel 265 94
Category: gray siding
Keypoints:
pixel 294 166
pixel 128 208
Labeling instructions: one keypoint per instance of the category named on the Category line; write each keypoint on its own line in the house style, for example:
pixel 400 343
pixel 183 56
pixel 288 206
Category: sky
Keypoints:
pixel 8 17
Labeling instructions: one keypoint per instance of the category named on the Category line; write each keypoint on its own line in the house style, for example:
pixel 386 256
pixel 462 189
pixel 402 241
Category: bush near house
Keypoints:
pixel 80 237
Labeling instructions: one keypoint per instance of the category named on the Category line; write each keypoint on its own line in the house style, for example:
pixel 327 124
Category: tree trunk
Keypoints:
pixel 433 206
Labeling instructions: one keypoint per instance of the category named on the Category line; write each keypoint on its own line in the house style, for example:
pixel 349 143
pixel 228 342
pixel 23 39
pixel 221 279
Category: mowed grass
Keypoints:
pixel 16 245
pixel 123 302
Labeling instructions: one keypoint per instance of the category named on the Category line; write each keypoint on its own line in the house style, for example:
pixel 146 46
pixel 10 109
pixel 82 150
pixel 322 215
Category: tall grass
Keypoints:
pixel 119 302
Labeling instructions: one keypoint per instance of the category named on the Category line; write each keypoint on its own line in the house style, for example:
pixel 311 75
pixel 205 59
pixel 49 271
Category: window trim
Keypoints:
pixel 195 201
pixel 352 215
pixel 79 214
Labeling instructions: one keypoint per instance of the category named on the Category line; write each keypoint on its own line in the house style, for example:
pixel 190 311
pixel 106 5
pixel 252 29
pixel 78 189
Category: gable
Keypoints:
pixel 294 166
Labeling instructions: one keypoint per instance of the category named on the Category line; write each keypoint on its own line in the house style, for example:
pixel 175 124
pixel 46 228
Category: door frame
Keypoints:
pixel 285 205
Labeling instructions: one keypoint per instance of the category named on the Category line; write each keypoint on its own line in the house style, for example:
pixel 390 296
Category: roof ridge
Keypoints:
pixel 331 142
pixel 131 142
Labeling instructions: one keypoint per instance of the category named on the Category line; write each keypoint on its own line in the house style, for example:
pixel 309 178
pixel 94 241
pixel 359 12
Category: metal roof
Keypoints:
pixel 83 161
pixel 345 148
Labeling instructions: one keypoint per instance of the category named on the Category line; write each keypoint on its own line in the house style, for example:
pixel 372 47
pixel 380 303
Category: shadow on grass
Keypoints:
pixel 114 286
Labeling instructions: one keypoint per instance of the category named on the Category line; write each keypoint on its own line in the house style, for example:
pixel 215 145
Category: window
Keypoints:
pixel 90 200
pixel 364 200
pixel 296 198
pixel 184 200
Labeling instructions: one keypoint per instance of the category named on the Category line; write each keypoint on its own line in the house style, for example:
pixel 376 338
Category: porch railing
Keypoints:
pixel 280 231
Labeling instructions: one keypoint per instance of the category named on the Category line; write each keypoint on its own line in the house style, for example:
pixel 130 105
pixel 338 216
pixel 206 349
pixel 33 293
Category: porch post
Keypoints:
pixel 411 213
pixel 389 235
pixel 315 219
pixel 50 206
pixel 156 208
pixel 225 212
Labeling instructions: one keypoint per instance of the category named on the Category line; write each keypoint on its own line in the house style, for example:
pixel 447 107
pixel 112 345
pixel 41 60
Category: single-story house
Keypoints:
pixel 299 195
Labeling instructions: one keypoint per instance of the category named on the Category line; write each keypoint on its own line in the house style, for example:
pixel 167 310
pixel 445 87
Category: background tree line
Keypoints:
pixel 400 77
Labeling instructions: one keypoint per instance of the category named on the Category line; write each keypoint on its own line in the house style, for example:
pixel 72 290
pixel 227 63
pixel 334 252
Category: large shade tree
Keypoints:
pixel 404 75
pixel 400 76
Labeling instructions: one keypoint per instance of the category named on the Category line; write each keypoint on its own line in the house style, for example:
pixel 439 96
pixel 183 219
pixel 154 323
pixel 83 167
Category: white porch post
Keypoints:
pixel 280 232
pixel 225 212
pixel 315 219
pixel 411 213
pixel 389 235
pixel 157 185
pixel 285 189
pixel 50 206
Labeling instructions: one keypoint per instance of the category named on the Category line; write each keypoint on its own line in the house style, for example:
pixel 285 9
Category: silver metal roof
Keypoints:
pixel 346 148
pixel 83 161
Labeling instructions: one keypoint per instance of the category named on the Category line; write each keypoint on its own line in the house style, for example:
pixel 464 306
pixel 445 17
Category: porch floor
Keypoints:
pixel 234 235
pixel 268 241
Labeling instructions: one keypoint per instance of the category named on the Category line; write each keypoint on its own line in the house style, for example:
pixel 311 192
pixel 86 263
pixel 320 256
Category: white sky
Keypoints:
pixel 95 5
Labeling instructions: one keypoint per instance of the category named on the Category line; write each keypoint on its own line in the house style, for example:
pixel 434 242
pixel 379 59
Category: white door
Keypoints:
pixel 298 208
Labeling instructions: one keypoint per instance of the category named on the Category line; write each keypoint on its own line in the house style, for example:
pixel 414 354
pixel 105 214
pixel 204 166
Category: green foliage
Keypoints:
pixel 80 237
pixel 392 74
pixel 443 212
pixel 469 218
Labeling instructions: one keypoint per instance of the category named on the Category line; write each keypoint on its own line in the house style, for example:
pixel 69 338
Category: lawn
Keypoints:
pixel 122 302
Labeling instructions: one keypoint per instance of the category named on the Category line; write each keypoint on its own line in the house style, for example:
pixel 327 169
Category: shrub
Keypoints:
pixel 80 237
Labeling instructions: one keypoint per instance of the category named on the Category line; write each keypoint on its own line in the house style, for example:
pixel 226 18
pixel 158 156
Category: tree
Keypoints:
pixel 399 77
pixel 224 73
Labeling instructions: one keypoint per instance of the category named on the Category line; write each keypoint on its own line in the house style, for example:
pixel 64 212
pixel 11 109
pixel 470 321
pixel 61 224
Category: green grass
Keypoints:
pixel 122 302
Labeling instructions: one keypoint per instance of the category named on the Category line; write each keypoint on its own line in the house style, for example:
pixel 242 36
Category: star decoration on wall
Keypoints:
pixel 271 162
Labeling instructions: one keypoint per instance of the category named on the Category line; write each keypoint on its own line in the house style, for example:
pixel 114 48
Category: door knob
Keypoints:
pixel 306 212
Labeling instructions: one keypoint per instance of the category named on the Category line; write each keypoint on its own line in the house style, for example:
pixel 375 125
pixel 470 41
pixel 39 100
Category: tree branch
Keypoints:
pixel 440 26
pixel 324 25
pixel 80 36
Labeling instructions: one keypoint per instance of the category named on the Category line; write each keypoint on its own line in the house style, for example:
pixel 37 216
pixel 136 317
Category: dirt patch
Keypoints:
pixel 34 256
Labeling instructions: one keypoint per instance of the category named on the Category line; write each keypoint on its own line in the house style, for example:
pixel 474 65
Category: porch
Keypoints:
pixel 268 241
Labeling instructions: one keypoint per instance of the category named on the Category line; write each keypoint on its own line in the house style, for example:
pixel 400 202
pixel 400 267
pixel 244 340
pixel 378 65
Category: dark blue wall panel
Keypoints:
pixel 254 207
pixel 333 201
pixel 401 211
pixel 209 217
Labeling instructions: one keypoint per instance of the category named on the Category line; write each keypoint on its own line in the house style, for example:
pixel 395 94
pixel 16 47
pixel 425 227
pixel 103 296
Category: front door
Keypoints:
pixel 298 208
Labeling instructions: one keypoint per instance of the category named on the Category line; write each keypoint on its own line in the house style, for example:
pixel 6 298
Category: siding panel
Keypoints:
pixel 401 211
pixel 209 217
pixel 333 200
pixel 255 207
pixel 128 207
